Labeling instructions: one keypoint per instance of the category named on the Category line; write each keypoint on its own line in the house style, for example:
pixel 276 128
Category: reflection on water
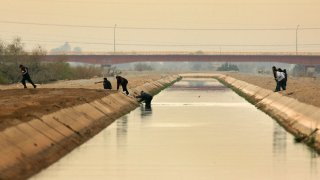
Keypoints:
pixel 145 112
pixel 279 140
pixel 199 104
pixel 122 130
pixel 195 85
pixel 191 134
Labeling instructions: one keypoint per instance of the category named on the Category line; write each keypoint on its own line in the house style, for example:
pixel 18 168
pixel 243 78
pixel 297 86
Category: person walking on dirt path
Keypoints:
pixel 26 76
pixel 147 98
pixel 280 79
pixel 106 83
pixel 124 82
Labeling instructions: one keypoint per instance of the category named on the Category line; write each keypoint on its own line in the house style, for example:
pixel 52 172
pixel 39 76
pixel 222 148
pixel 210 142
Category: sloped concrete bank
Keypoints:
pixel 29 147
pixel 300 119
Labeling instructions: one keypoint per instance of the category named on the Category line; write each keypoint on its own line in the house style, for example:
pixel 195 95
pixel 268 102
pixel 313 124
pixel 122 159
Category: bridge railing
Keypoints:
pixel 186 53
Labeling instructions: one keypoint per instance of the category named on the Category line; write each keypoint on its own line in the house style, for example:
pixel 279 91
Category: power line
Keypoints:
pixel 160 28
pixel 151 43
pixel 173 45
pixel 309 44
pixel 58 25
pixel 35 35
pixel 309 28
pixel 208 29
pixel 206 45
pixel 75 42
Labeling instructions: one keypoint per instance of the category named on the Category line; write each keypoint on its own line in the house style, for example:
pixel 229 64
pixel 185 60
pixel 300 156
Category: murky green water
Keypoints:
pixel 196 130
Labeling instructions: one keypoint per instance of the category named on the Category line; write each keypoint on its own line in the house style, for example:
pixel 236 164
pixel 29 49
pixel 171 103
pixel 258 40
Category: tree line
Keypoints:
pixel 13 54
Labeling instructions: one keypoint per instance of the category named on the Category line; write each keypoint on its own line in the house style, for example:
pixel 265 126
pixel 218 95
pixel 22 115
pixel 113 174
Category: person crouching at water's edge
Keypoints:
pixel 26 76
pixel 123 82
pixel 106 83
pixel 147 98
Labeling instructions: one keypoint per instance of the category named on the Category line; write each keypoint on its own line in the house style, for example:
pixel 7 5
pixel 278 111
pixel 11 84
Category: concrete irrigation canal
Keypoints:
pixel 197 129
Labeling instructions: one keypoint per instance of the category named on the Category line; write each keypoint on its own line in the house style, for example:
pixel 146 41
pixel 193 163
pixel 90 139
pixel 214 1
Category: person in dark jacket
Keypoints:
pixel 26 76
pixel 147 98
pixel 124 82
pixel 106 83
pixel 285 78
pixel 274 71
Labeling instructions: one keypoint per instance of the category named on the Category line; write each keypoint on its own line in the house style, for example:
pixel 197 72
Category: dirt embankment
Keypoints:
pixel 305 90
pixel 39 126
pixel 20 105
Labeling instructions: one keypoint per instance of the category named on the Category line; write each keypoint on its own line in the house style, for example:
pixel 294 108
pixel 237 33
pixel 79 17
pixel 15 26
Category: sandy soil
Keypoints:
pixel 20 105
pixel 306 90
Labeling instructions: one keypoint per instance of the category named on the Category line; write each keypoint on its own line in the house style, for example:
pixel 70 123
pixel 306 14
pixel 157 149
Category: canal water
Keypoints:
pixel 197 129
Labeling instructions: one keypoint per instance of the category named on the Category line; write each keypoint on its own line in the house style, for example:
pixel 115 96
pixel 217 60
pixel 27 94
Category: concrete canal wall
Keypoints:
pixel 31 146
pixel 298 118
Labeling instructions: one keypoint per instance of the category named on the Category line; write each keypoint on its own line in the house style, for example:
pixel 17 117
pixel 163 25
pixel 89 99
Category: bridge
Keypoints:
pixel 110 59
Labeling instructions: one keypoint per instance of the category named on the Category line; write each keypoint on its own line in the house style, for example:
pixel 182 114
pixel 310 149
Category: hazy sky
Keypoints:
pixel 189 14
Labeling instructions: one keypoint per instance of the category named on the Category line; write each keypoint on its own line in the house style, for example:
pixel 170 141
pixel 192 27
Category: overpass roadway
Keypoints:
pixel 309 60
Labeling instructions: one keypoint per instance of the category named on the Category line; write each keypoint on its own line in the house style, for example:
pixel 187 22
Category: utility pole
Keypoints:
pixel 114 38
pixel 297 39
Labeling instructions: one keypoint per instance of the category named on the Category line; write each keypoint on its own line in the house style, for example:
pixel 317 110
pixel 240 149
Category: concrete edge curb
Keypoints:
pixel 32 146
pixel 298 118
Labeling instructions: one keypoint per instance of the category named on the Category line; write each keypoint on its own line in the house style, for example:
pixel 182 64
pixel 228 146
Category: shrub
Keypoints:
pixel 142 67
pixel 228 67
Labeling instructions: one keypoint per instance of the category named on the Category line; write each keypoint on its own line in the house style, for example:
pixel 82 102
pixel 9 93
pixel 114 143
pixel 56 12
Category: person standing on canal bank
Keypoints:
pixel 147 98
pixel 279 76
pixel 285 78
pixel 274 72
pixel 106 83
pixel 124 82
pixel 26 76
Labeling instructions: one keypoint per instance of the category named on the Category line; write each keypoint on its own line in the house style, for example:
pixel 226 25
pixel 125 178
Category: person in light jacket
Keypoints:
pixel 280 78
